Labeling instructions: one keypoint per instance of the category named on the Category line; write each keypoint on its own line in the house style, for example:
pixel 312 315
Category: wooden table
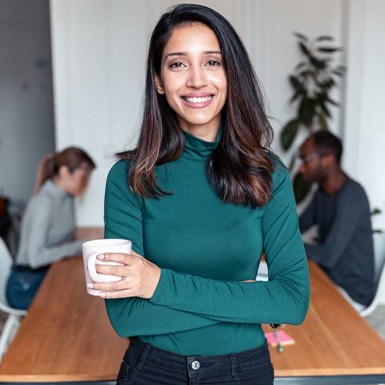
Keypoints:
pixel 334 345
pixel 66 336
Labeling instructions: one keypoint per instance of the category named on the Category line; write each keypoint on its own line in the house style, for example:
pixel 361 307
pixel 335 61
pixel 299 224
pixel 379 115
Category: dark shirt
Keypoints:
pixel 345 241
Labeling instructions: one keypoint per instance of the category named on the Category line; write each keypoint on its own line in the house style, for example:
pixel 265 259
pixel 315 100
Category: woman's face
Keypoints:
pixel 75 183
pixel 193 79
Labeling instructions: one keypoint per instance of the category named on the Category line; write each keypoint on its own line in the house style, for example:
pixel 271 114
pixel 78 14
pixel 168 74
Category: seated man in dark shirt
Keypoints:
pixel 340 209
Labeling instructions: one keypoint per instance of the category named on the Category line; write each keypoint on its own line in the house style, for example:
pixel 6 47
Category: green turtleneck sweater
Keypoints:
pixel 205 249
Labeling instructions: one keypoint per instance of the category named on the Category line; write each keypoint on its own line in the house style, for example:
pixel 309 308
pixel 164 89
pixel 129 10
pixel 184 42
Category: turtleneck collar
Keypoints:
pixel 54 190
pixel 198 149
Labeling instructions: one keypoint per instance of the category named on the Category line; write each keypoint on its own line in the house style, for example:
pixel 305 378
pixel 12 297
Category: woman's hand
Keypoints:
pixel 140 277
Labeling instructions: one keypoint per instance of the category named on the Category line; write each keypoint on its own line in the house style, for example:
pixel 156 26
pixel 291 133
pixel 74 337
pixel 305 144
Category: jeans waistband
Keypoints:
pixel 28 269
pixel 197 363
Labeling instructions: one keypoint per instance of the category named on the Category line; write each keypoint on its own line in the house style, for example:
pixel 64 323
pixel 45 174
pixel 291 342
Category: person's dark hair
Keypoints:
pixel 239 169
pixel 326 142
pixel 71 157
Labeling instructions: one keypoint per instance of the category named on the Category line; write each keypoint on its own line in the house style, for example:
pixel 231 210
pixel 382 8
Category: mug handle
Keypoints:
pixel 91 265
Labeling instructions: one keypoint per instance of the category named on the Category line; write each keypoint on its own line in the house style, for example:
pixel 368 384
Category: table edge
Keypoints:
pixel 286 373
pixel 56 377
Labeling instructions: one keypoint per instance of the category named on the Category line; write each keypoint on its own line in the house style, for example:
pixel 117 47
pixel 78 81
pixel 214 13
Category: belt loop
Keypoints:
pixel 234 370
pixel 143 356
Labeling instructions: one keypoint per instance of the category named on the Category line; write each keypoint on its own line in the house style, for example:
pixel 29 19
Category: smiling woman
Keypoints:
pixel 201 197
pixel 193 79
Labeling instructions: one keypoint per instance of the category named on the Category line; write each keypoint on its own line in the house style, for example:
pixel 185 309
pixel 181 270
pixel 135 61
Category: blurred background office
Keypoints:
pixel 72 73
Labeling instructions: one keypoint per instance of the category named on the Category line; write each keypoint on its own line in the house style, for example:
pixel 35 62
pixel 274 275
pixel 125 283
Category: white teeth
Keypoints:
pixel 198 99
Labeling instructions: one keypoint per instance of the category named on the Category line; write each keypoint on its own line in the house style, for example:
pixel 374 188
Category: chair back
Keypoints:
pixel 380 287
pixel 6 265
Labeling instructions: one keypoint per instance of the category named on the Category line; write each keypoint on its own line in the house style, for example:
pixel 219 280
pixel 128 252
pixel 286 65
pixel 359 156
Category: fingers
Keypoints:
pixel 139 277
pixel 119 257
pixel 124 293
pixel 116 294
pixel 123 284
pixel 126 287
pixel 121 264
pixel 120 270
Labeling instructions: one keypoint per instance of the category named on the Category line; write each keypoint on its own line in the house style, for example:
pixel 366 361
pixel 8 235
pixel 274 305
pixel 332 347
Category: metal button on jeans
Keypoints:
pixel 195 365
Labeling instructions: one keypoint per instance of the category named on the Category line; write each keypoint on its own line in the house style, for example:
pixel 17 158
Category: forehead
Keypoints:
pixel 83 169
pixel 192 37
pixel 307 147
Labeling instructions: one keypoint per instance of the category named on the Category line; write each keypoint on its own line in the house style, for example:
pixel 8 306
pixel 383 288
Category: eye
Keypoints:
pixel 176 65
pixel 213 63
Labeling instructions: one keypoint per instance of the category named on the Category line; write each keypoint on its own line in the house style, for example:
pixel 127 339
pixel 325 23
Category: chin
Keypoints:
pixel 307 178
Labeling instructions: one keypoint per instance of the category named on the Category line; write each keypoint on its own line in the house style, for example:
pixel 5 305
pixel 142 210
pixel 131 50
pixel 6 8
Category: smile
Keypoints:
pixel 198 99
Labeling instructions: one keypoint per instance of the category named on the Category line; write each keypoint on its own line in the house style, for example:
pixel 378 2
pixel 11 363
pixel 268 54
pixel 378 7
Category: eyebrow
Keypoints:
pixel 185 53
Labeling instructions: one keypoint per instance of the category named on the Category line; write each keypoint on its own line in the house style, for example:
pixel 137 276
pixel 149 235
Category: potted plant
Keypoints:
pixel 312 81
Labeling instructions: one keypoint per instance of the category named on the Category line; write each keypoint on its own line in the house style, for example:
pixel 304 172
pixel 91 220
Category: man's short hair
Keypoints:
pixel 326 142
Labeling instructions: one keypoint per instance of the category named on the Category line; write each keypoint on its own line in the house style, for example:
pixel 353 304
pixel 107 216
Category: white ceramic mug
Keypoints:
pixel 92 249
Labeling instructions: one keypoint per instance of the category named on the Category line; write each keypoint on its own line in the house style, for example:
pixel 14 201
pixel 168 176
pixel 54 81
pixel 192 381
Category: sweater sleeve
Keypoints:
pixel 40 253
pixel 283 299
pixel 137 316
pixel 346 221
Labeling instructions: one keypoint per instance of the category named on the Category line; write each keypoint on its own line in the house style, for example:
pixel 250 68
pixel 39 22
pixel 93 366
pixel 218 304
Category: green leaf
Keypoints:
pixel 292 163
pixel 320 64
pixel 330 83
pixel 375 211
pixel 301 36
pixel 323 124
pixel 328 49
pixel 331 101
pixel 288 133
pixel 306 111
pixel 321 96
pixel 301 188
pixel 338 73
pixel 327 84
pixel 324 37
pixel 296 84
pixel 295 96
pixel 304 49
pixel 325 109
pixel 306 73
pixel 299 65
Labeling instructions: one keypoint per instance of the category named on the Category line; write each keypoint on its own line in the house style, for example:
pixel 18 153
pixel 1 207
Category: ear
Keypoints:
pixel 63 171
pixel 329 160
pixel 158 85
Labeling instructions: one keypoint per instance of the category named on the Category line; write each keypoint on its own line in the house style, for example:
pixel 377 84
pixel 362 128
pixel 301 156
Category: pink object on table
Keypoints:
pixel 283 337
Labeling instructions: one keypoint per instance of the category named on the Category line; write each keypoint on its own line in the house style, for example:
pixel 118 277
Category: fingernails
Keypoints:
pixel 90 285
pixel 102 294
pixel 101 257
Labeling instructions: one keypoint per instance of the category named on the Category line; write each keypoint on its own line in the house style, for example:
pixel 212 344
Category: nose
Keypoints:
pixel 301 168
pixel 197 77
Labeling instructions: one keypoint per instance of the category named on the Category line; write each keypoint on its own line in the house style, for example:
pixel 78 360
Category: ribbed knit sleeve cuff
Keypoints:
pixel 162 288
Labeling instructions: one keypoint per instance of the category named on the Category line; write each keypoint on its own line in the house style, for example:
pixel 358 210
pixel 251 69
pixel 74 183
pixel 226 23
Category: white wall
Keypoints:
pixel 364 131
pixel 99 49
pixel 26 106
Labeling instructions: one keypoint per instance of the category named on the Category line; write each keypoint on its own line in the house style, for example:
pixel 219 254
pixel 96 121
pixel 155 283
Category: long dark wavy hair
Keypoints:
pixel 240 168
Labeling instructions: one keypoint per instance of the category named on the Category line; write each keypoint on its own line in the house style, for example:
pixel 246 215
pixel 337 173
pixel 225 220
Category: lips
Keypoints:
pixel 198 99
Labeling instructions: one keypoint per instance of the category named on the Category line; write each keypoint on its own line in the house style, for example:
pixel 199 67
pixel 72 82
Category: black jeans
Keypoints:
pixel 145 365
